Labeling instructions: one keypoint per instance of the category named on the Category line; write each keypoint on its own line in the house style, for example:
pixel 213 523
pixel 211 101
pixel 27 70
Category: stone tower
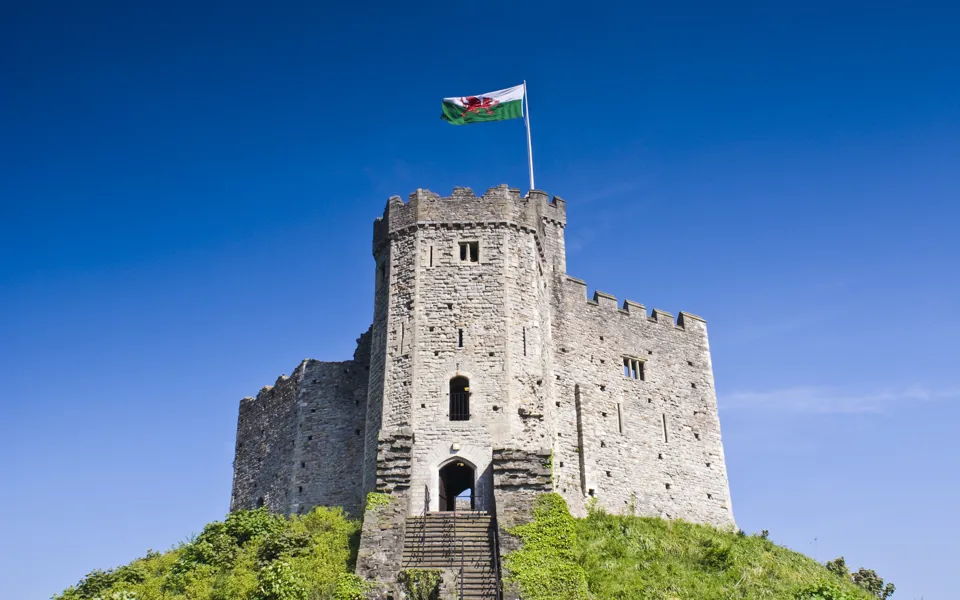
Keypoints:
pixel 487 377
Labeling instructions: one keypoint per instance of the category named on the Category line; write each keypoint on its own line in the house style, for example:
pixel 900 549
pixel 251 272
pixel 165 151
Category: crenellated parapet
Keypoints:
pixel 576 290
pixel 500 205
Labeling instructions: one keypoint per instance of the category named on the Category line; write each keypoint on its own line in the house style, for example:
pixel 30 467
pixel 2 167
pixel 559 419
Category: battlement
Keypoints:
pixel 499 205
pixel 634 310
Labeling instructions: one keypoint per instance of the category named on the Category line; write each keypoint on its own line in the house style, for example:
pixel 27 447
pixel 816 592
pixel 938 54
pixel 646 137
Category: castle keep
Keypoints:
pixel 487 377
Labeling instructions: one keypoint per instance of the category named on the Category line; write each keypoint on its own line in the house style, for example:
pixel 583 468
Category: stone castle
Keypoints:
pixel 488 377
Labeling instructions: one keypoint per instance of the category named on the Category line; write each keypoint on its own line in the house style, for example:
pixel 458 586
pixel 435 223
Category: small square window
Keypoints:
pixel 469 251
pixel 633 368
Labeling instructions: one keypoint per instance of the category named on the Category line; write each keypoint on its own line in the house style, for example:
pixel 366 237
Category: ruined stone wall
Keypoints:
pixel 652 443
pixel 300 442
pixel 266 435
pixel 332 402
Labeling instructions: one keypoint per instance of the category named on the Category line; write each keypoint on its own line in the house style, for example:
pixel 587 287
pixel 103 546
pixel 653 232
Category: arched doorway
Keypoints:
pixel 457 479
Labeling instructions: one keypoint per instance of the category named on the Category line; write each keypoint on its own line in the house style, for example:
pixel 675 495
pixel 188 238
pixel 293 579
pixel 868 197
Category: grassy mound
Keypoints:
pixel 251 555
pixel 254 555
pixel 613 557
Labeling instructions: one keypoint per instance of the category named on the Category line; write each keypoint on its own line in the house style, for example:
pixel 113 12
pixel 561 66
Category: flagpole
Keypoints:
pixel 526 112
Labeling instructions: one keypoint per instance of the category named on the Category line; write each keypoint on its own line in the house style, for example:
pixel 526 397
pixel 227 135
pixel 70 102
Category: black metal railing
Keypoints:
pixel 423 521
pixel 459 406
pixel 498 591
pixel 461 547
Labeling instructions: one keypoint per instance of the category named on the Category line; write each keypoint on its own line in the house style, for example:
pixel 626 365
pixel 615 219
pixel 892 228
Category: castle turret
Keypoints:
pixel 461 335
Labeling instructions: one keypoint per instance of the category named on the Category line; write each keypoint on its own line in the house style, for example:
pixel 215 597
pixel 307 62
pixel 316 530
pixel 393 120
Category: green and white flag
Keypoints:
pixel 492 106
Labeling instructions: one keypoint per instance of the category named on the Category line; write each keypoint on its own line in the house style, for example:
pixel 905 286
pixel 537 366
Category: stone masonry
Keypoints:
pixel 596 400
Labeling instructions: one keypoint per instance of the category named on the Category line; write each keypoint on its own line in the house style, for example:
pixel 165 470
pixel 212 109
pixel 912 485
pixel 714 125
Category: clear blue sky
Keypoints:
pixel 187 192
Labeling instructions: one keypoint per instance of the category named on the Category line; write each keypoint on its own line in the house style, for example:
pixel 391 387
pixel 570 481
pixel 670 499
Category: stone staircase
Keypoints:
pixel 448 540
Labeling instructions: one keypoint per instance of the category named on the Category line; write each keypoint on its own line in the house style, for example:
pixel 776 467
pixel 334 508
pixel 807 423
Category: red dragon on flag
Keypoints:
pixel 474 104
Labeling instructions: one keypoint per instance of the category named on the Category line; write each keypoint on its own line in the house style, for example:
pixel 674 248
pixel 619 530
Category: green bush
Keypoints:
pixel 420 584
pixel 825 590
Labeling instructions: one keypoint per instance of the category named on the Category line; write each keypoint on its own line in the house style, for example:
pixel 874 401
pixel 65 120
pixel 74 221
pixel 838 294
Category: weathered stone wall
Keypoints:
pixel 266 433
pixel 487 320
pixel 332 403
pixel 300 442
pixel 380 556
pixel 518 478
pixel 652 443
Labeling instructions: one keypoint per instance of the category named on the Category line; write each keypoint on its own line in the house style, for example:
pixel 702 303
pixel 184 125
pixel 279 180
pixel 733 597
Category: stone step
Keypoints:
pixel 447 534
pixel 444 540
pixel 449 544
pixel 470 561
pixel 450 522
pixel 458 519
pixel 448 550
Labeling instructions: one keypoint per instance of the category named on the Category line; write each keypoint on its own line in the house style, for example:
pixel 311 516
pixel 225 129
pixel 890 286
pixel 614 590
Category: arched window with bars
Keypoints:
pixel 459 399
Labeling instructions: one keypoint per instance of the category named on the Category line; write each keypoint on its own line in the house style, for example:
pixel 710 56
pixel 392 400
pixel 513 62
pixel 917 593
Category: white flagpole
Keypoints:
pixel 529 144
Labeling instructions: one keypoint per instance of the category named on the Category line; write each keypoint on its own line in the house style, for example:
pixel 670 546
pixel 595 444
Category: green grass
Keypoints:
pixel 252 555
pixel 637 558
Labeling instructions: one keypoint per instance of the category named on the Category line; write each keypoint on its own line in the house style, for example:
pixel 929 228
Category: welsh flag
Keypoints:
pixel 492 106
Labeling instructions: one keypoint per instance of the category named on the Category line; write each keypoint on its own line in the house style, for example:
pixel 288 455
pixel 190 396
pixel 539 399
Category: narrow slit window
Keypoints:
pixel 524 341
pixel 469 251
pixel 459 338
pixel 619 418
pixel 431 256
pixel 665 436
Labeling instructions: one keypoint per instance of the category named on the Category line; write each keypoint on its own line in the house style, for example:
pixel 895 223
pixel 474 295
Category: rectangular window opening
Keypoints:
pixel 633 368
pixel 459 338
pixel 619 418
pixel 469 251
pixel 431 256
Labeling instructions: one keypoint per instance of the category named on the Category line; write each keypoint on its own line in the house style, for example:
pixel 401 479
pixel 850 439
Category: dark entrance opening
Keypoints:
pixel 456 481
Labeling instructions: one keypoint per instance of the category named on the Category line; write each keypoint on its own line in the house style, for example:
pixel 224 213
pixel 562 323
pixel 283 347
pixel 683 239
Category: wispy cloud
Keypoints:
pixel 613 190
pixel 749 333
pixel 827 400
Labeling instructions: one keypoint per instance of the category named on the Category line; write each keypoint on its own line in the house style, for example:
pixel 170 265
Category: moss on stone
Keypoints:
pixel 377 499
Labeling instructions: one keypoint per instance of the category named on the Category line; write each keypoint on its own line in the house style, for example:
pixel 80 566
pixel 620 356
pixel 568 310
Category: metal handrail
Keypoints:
pixel 454 547
pixel 498 591
pixel 461 566
pixel 423 521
